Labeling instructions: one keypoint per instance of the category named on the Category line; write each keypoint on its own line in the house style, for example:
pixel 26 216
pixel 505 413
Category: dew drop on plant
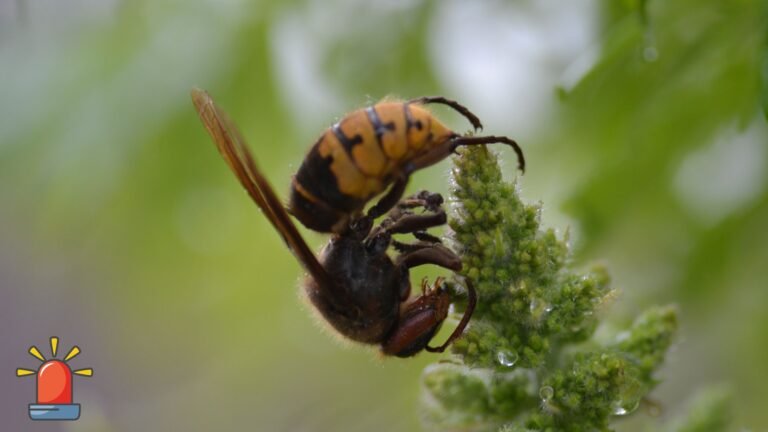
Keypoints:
pixel 621 408
pixel 539 308
pixel 507 358
pixel 546 393
pixel 534 305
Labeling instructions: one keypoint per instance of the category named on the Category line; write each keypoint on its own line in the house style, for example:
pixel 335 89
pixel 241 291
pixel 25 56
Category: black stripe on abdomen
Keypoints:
pixel 379 128
pixel 346 142
pixel 316 177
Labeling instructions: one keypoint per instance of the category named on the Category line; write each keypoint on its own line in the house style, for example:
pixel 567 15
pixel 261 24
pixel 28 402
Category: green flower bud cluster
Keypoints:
pixel 517 367
pixel 529 299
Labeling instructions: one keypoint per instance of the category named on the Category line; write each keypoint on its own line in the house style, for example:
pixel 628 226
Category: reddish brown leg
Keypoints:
pixel 420 321
pixel 459 330
pixel 436 254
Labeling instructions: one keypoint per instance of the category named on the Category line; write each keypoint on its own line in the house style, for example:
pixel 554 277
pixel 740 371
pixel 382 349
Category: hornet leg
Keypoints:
pixel 421 319
pixel 439 153
pixel 461 109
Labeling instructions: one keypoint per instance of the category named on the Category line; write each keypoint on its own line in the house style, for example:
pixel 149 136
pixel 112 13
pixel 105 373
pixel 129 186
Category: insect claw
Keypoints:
pixel 424 285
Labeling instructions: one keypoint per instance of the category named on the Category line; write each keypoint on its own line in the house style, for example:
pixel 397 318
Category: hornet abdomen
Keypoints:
pixel 358 158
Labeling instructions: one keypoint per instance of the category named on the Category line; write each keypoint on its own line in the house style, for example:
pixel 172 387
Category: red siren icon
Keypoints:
pixel 54 385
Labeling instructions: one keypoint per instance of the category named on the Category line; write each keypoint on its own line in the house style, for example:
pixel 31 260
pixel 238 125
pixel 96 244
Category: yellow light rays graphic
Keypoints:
pixel 36 353
pixel 72 353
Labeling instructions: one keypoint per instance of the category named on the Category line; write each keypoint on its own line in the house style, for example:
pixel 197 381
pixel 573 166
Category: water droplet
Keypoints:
pixel 546 393
pixel 539 309
pixel 622 408
pixel 507 358
pixel 534 305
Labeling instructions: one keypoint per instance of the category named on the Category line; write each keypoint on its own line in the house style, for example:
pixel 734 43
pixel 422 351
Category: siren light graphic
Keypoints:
pixel 54 385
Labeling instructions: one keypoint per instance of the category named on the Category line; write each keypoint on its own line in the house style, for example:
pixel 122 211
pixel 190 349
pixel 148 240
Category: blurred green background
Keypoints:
pixel 122 231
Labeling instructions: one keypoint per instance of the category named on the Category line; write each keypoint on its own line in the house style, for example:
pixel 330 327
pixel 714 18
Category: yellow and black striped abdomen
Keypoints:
pixel 358 157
